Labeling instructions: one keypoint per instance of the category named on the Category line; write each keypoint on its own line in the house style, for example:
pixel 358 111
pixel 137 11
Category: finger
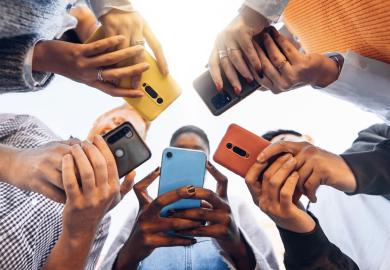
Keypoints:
pixel 157 50
pixel 247 47
pixel 210 197
pixel 69 179
pixel 305 171
pixel 115 57
pixel 278 148
pixel 237 59
pixel 288 189
pixel 215 70
pixel 71 141
pixel 231 74
pixel 264 80
pixel 199 214
pixel 98 163
pixel 173 224
pixel 222 181
pixel 216 231
pixel 127 184
pixel 288 49
pixel 85 169
pixel 112 169
pixel 252 180
pixel 311 185
pixel 274 185
pixel 170 241
pixel 117 74
pixel 103 45
pixel 204 204
pixel 137 36
pixel 140 189
pixel 114 91
pixel 171 197
pixel 52 192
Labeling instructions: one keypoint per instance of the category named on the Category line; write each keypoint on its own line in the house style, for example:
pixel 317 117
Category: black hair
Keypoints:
pixel 274 133
pixel 190 129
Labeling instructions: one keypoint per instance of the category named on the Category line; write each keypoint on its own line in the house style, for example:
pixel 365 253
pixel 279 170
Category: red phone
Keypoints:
pixel 239 149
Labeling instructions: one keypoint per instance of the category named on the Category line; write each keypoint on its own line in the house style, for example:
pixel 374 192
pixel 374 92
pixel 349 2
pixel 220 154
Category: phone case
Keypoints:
pixel 160 91
pixel 179 168
pixel 238 149
pixel 220 102
pixel 128 148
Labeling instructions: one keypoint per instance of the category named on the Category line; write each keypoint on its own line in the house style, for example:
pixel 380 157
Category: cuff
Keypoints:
pixel 271 9
pixel 101 8
pixel 303 247
pixel 35 80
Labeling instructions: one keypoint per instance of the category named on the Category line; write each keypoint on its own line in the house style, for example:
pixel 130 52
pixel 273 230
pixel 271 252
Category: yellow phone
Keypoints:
pixel 160 91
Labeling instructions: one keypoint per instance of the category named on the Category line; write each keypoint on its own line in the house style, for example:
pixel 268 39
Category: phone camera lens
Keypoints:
pixel 160 100
pixel 153 94
pixel 229 145
pixel 119 153
pixel 144 84
pixel 169 154
pixel 129 134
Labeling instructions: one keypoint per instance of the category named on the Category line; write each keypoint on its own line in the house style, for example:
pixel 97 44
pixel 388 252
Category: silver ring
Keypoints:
pixel 139 42
pixel 222 54
pixel 100 75
pixel 230 50
pixel 281 65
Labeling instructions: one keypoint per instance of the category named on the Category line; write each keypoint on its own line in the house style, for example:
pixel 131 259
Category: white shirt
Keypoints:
pixel 359 225
pixel 363 81
pixel 244 217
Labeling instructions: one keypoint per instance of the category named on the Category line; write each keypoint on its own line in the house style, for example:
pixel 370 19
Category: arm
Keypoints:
pixel 371 169
pixel 16 74
pixel 271 9
pixel 312 250
pixel 102 7
pixel 355 84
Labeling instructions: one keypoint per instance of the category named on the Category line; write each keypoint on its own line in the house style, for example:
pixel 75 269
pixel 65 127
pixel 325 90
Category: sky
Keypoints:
pixel 187 30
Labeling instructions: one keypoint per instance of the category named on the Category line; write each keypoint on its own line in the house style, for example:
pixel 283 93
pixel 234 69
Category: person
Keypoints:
pixel 274 190
pixel 350 57
pixel 286 135
pixel 28 36
pixel 40 233
pixel 231 240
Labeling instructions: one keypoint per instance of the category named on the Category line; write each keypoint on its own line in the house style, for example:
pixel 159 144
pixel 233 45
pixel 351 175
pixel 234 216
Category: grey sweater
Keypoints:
pixel 22 24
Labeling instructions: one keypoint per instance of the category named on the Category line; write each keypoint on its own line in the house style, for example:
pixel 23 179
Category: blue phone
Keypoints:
pixel 181 167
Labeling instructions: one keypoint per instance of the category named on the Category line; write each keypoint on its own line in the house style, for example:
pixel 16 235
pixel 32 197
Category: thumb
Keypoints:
pixel 127 184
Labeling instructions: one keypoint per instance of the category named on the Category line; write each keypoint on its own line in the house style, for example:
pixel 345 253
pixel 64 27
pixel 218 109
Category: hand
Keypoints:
pixel 274 193
pixel 220 221
pixel 315 167
pixel 38 169
pixel 81 63
pixel 149 231
pixel 135 30
pixel 285 68
pixel 236 42
pixel 99 185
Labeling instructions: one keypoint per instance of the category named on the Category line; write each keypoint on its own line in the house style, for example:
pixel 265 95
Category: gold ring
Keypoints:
pixel 281 65
pixel 222 54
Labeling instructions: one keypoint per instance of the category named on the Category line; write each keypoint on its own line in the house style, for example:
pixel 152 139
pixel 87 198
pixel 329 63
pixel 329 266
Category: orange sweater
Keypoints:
pixel 338 25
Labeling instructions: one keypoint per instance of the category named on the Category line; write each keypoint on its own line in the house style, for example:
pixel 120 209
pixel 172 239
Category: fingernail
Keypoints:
pixel 237 90
pixel 218 86
pixel 156 170
pixel 249 80
pixel 191 189
pixel 146 65
pixel 261 74
pixel 260 158
pixel 121 38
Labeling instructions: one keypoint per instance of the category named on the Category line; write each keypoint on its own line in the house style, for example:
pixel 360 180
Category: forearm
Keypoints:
pixel 70 252
pixel 130 256
pixel 240 253
pixel 313 250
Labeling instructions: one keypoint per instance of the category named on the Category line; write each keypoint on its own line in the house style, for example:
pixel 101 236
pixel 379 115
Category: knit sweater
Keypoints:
pixel 22 24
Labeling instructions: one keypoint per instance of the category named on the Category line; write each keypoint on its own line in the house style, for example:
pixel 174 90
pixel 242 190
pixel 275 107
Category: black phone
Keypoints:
pixel 128 148
pixel 219 102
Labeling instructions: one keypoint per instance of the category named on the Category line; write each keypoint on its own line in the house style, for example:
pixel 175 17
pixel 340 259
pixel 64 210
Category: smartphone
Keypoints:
pixel 238 149
pixel 128 148
pixel 179 168
pixel 160 91
pixel 220 102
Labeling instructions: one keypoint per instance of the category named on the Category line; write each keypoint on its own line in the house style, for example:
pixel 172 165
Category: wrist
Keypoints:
pixel 79 240
pixel 130 256
pixel 302 223
pixel 41 57
pixel 253 19
pixel 240 253
pixel 328 72
pixel 8 164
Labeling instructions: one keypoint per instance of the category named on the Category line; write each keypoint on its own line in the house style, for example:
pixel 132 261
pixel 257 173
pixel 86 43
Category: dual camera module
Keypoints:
pixel 237 150
pixel 221 99
pixel 125 132
pixel 152 93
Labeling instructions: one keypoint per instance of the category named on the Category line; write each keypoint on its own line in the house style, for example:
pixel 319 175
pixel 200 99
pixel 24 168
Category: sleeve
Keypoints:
pixel 101 7
pixel 15 73
pixel 355 84
pixel 309 251
pixel 369 138
pixel 271 9
pixel 371 169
